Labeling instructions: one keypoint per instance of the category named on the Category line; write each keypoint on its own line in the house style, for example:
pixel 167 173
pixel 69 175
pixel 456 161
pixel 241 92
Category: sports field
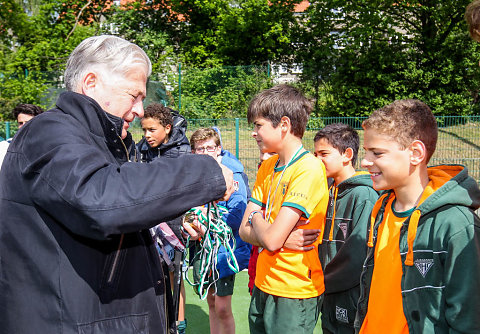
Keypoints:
pixel 197 310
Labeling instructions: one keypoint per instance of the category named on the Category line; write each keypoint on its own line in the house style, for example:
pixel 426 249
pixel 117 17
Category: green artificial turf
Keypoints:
pixel 196 310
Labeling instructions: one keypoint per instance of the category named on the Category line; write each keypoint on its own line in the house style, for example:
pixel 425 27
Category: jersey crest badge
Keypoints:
pixel 343 228
pixel 423 266
pixel 341 314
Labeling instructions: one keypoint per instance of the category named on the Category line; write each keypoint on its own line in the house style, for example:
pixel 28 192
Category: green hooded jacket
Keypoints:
pixel 440 249
pixel 344 248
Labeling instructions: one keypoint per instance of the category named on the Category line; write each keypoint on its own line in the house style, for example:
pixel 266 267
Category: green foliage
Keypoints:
pixel 242 32
pixel 220 92
pixel 387 50
pixel 38 54
pixel 357 55
pixel 147 24
pixel 253 31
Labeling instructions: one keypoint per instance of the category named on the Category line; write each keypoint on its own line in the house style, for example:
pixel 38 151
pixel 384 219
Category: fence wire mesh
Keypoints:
pixel 218 93
pixel 458 139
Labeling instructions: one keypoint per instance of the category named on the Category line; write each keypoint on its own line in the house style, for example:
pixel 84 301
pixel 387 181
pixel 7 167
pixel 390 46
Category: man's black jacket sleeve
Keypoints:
pixel 72 178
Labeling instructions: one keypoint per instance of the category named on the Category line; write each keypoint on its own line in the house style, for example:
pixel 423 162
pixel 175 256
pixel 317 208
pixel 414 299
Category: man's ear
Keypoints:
pixel 347 155
pixel 88 84
pixel 418 152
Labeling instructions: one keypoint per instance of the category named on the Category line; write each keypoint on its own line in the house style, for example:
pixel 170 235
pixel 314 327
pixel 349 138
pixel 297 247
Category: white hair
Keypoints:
pixel 106 53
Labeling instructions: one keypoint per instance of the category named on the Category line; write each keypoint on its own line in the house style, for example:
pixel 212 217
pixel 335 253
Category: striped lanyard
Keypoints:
pixel 269 206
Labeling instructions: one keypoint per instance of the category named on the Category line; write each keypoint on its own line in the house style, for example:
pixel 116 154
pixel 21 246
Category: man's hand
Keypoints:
pixel 301 239
pixel 193 227
pixel 228 175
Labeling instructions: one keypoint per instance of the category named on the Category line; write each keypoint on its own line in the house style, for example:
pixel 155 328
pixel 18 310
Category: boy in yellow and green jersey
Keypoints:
pixel 291 189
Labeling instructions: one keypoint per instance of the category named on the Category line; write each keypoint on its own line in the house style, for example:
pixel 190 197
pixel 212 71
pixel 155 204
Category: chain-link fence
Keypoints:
pixel 208 96
pixel 458 139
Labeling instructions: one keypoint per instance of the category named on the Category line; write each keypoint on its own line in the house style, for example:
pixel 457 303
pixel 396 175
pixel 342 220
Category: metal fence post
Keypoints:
pixel 7 130
pixel 237 137
pixel 179 87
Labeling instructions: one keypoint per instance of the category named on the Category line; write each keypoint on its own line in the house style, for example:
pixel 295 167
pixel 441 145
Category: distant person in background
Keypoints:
pixel 206 141
pixel 22 113
pixel 25 112
pixel 3 150
pixel 164 136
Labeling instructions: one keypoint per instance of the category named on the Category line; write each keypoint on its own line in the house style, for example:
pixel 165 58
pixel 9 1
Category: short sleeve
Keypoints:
pixel 260 188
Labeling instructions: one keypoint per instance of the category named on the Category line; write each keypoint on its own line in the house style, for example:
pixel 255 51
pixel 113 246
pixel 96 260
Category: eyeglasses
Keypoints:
pixel 206 148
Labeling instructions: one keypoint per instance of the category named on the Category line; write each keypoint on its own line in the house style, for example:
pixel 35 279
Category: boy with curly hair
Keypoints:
pixel 423 263
pixel 164 133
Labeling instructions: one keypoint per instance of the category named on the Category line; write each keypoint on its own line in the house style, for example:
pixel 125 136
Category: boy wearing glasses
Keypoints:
pixel 207 141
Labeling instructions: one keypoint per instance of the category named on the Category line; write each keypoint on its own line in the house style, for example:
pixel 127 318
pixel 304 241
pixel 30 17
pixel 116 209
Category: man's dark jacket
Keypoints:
pixel 76 255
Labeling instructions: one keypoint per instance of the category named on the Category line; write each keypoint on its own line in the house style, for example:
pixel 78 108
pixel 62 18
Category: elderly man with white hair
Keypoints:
pixel 76 255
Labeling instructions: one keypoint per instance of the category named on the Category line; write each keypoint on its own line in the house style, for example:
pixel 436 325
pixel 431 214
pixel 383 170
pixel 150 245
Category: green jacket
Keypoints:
pixel 344 248
pixel 440 259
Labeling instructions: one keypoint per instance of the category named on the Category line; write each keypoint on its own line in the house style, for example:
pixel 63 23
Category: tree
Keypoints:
pixel 387 50
pixel 150 25
pixel 220 92
pixel 37 46
pixel 251 32
pixel 242 32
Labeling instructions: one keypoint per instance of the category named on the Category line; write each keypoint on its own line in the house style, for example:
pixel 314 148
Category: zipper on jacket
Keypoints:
pixel 115 260
pixel 126 150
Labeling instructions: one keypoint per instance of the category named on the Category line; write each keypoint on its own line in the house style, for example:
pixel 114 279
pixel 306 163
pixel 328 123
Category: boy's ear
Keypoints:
pixel 285 122
pixel 418 152
pixel 347 155
pixel 168 128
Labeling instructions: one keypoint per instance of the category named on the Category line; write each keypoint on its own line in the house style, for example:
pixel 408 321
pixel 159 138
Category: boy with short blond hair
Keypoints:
pixel 343 249
pixel 291 188
pixel 423 263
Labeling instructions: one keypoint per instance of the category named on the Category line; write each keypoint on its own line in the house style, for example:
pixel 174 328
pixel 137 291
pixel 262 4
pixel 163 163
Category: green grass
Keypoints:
pixel 196 310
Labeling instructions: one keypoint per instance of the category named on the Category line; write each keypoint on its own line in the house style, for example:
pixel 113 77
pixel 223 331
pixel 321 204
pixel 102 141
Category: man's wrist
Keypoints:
pixel 250 216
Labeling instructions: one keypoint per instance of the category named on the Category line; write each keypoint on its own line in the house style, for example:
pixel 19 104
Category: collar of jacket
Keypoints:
pixel 88 111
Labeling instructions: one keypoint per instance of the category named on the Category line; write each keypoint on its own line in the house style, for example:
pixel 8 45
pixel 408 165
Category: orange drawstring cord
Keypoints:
pixel 373 217
pixel 412 232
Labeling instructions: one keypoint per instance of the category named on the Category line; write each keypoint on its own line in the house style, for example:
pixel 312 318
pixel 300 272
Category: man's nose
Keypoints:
pixel 138 109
